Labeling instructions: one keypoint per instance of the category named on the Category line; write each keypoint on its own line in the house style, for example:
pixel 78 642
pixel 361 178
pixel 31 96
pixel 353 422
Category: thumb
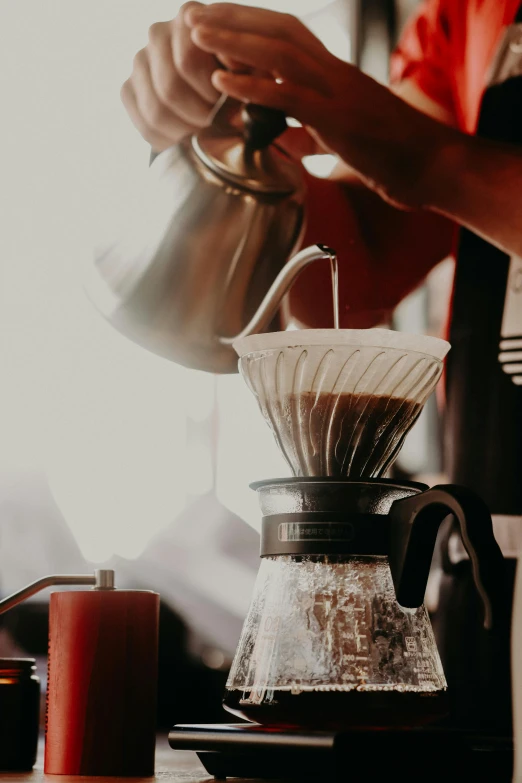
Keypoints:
pixel 298 143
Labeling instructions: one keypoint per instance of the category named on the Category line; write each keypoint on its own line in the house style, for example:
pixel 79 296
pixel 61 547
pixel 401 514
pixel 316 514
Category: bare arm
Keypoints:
pixel 478 183
pixel 408 158
pixel 385 252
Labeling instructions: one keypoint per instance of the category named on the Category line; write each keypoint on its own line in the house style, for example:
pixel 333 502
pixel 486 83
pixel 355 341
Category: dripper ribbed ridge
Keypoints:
pixel 340 402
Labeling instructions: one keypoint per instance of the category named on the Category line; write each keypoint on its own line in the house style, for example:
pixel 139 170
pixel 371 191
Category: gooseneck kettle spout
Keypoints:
pixel 282 284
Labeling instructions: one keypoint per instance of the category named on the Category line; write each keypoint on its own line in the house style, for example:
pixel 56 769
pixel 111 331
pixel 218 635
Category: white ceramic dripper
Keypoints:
pixel 340 401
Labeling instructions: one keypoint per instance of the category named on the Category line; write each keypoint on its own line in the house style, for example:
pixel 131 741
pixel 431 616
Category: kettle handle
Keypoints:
pixel 261 124
pixel 414 524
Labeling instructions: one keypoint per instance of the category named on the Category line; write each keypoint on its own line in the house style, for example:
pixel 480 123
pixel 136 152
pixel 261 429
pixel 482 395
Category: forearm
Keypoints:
pixel 410 159
pixel 478 183
pixel 384 251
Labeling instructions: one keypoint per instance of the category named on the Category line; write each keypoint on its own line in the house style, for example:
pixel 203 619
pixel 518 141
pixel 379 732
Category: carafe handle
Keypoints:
pixel 414 524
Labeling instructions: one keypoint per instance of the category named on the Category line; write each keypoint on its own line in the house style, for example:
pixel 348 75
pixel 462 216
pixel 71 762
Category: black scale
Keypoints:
pixel 253 751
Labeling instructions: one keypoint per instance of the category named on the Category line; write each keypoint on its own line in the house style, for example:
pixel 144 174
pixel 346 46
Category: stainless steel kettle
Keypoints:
pixel 204 260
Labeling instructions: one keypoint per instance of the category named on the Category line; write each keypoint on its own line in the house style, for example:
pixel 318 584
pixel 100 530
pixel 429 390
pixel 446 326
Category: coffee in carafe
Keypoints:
pixel 333 648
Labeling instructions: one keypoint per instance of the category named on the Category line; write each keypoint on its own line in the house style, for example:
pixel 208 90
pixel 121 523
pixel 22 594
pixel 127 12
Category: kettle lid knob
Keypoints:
pixel 240 150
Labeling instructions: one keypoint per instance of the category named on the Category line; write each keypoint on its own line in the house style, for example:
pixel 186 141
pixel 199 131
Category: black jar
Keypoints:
pixel 19 713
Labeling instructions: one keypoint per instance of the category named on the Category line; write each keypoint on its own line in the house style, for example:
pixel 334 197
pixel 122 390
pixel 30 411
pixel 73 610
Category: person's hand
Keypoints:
pixel 389 143
pixel 169 93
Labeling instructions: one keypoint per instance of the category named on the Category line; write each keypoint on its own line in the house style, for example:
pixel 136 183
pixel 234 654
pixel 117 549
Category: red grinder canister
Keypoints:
pixel 102 682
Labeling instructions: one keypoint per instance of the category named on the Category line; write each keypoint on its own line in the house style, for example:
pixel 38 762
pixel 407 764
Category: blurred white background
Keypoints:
pixel 123 437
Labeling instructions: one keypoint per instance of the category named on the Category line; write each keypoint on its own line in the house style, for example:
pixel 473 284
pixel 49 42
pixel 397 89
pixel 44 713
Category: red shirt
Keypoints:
pixel 447 49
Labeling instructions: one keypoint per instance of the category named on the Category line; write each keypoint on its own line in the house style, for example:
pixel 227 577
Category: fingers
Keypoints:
pixel 169 86
pixel 147 110
pixel 281 58
pixel 170 93
pixel 272 59
pixel 299 143
pixel 194 66
pixel 157 141
pixel 271 24
pixel 296 101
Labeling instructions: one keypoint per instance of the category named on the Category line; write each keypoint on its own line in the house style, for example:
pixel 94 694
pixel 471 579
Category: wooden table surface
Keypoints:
pixel 171 765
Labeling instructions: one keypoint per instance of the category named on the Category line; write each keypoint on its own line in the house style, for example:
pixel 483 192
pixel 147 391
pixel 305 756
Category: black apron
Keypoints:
pixel 483 429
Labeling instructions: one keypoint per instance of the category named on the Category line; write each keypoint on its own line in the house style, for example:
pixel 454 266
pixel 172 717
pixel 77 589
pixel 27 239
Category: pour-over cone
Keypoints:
pixel 340 401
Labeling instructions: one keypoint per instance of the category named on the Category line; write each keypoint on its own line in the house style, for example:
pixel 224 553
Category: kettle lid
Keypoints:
pixel 247 158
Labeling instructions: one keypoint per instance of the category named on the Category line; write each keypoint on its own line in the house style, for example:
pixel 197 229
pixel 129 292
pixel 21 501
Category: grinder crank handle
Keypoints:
pixel 414 524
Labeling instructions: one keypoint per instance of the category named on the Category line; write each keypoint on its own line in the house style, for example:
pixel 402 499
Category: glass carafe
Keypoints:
pixel 326 643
